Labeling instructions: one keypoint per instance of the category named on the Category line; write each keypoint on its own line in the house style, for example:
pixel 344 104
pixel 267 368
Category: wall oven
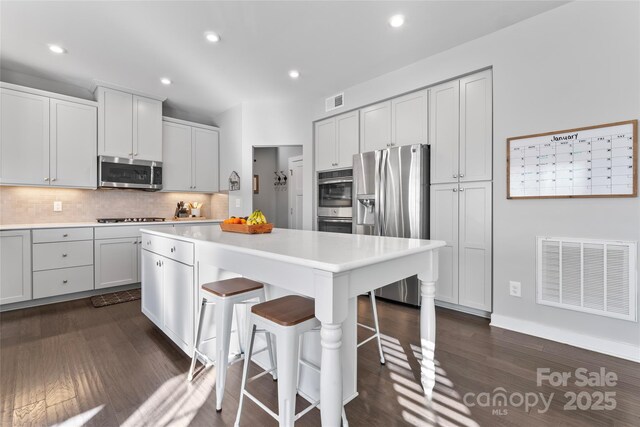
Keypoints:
pixel 122 172
pixel 335 201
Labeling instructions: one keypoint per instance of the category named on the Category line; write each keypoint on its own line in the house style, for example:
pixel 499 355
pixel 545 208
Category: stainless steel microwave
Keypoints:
pixel 123 172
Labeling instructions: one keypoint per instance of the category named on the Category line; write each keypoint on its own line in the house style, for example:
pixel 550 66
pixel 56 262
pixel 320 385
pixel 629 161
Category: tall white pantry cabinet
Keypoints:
pixel 460 133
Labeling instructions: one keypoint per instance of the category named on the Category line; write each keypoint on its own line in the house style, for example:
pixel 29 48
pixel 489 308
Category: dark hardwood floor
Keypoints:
pixel 110 366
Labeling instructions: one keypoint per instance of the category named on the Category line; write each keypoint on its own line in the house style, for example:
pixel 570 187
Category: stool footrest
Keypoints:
pixel 260 404
pixel 309 364
pixel 367 340
pixel 261 374
pixel 367 327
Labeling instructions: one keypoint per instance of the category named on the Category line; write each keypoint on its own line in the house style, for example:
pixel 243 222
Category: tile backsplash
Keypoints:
pixel 27 205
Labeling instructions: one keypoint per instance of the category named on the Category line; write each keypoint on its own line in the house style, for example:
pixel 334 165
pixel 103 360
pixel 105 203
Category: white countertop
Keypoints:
pixel 333 252
pixel 7 227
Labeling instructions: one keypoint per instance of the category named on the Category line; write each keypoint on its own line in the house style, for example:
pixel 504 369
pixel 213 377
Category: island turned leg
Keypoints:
pixel 331 374
pixel 428 337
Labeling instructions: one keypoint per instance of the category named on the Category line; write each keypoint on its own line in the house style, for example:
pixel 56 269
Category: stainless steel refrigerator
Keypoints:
pixel 391 192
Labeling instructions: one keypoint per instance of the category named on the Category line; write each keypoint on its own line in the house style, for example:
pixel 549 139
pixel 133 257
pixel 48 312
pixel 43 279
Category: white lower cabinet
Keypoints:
pixel 461 216
pixel 116 262
pixel 168 297
pixel 15 266
pixel 49 283
pixel 178 291
pixel 152 287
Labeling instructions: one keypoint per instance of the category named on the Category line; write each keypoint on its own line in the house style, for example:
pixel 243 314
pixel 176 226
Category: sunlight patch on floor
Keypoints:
pixel 446 407
pixel 80 419
pixel 175 403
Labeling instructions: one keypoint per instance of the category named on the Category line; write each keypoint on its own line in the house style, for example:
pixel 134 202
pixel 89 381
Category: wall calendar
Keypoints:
pixel 594 161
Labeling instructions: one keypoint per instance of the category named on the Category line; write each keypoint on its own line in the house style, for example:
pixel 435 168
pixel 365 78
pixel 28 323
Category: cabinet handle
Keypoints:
pixel 64 255
pixel 135 154
pixel 135 243
pixel 46 179
pixel 148 242
pixel 65 235
pixel 455 175
pixel 461 189
pixel 455 190
pixel 173 249
pixel 461 175
pixel 54 179
pixel 65 281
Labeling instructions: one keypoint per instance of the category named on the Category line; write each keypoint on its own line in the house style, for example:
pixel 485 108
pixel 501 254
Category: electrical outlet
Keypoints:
pixel 238 202
pixel 515 289
pixel 57 206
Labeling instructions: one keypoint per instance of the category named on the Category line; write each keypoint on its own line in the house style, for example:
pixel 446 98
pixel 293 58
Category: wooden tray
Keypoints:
pixel 190 218
pixel 247 229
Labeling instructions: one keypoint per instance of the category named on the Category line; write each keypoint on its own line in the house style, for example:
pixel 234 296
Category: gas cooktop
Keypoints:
pixel 143 219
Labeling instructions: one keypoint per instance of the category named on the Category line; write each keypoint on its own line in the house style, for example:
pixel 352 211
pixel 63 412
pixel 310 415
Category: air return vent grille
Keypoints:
pixel 333 102
pixel 594 276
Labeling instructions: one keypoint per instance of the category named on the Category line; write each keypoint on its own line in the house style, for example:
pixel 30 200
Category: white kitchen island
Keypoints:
pixel 329 267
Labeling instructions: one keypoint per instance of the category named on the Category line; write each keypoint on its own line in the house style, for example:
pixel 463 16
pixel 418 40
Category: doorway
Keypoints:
pixel 273 184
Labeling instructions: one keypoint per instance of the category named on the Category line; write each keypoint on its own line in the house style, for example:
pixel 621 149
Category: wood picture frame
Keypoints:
pixel 576 131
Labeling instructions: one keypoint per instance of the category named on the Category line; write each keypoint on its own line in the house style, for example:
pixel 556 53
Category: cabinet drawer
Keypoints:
pixel 62 234
pixel 172 249
pixel 62 281
pixel 117 232
pixel 47 256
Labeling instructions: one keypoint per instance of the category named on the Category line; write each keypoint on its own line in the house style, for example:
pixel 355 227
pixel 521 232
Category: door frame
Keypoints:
pixel 290 201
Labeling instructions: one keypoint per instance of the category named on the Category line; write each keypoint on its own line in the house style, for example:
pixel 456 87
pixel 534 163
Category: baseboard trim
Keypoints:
pixel 611 348
pixel 66 297
pixel 463 309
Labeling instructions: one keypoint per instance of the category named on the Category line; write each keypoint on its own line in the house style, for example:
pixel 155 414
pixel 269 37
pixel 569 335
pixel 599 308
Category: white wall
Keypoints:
pixel 576 65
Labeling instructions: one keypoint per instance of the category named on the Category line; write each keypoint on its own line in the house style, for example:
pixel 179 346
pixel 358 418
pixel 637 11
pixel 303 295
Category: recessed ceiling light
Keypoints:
pixel 212 37
pixel 57 49
pixel 165 81
pixel 294 74
pixel 396 21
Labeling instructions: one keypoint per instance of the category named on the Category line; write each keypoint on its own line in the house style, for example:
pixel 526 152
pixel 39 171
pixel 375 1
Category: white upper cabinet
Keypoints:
pixel 375 127
pixel 47 139
pixel 347 139
pixel 147 128
pixel 129 125
pixel 115 123
pixel 325 139
pixel 460 125
pixel 191 153
pixel 73 144
pixel 24 140
pixel 409 119
pixel 15 266
pixel 204 150
pixel 337 140
pixel 176 152
pixel 444 122
pixel 476 127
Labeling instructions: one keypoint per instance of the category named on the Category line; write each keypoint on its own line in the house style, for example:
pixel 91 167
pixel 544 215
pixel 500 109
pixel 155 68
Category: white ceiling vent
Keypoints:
pixel 333 102
pixel 594 276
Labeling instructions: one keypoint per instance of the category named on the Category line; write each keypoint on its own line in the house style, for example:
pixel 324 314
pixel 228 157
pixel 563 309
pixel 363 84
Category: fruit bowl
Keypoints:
pixel 247 229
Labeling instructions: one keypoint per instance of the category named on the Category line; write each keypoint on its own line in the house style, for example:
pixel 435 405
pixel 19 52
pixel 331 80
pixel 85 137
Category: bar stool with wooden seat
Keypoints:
pixel 288 318
pixel 226 294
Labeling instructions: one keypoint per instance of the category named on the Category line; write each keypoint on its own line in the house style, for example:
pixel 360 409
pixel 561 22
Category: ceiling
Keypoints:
pixel 334 44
